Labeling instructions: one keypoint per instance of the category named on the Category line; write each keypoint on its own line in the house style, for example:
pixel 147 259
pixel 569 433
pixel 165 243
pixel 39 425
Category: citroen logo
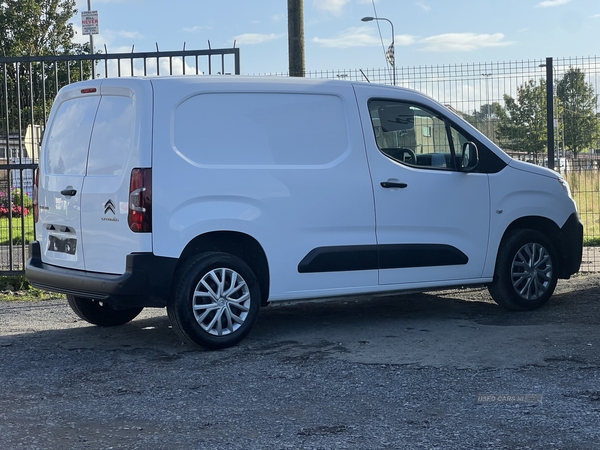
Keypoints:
pixel 109 206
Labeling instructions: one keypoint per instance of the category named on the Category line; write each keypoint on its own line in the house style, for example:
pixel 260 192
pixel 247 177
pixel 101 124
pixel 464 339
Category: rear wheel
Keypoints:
pixel 215 301
pixel 526 271
pixel 100 313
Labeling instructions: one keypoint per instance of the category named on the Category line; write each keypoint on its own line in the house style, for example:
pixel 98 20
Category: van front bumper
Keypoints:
pixel 571 246
pixel 146 281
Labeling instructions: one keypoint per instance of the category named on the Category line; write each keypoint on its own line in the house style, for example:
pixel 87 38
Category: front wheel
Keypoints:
pixel 526 271
pixel 101 313
pixel 215 301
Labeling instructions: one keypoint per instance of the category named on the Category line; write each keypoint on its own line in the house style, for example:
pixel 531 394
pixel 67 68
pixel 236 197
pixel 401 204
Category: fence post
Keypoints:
pixel 550 111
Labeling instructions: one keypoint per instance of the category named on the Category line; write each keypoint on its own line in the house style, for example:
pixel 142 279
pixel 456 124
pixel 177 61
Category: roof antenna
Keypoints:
pixel 363 74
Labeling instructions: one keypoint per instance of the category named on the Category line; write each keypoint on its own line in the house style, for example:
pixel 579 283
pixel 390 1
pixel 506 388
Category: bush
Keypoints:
pixel 14 207
pixel 19 197
pixel 14 283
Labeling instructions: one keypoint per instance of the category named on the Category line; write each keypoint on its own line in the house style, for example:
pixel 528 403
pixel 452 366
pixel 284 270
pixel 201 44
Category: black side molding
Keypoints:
pixel 373 257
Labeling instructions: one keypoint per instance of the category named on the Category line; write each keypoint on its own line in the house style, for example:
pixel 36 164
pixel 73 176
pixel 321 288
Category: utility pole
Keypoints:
pixel 296 38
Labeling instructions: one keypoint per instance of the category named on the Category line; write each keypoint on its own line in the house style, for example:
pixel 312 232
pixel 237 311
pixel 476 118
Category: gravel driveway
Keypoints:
pixel 441 370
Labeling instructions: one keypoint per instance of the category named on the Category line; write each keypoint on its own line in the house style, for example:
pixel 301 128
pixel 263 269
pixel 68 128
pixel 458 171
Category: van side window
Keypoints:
pixel 68 140
pixel 410 134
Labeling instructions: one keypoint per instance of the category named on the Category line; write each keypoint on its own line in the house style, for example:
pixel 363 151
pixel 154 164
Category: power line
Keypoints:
pixel 387 63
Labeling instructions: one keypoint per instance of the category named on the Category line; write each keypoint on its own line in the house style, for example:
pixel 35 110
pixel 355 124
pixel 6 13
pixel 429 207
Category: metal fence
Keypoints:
pixel 474 90
pixel 28 86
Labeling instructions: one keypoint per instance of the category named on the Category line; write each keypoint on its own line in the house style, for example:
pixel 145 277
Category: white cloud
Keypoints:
pixel 359 37
pixel 196 29
pixel 550 3
pixel 332 6
pixel 353 37
pixel 129 34
pixel 423 6
pixel 255 38
pixel 596 16
pixel 462 42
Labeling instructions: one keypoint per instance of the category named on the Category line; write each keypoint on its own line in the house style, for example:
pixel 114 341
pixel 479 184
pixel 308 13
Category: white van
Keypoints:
pixel 214 196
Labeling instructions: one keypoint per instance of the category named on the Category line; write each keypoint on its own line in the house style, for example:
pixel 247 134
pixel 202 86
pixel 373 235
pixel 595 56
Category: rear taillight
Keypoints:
pixel 36 186
pixel 140 201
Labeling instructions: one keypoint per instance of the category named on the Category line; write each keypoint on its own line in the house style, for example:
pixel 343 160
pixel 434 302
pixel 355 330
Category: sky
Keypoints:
pixel 426 32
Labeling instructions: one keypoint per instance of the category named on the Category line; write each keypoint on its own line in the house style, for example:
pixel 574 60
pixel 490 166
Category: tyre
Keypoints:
pixel 101 313
pixel 526 271
pixel 215 300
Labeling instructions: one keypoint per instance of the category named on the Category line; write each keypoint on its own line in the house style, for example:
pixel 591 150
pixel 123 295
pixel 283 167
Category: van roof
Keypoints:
pixel 262 80
pixel 242 82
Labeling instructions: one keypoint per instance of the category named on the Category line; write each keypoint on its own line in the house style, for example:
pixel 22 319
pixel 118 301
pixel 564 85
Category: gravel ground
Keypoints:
pixel 415 371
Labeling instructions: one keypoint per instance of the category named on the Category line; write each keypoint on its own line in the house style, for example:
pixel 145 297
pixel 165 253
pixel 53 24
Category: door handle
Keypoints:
pixel 393 184
pixel 69 192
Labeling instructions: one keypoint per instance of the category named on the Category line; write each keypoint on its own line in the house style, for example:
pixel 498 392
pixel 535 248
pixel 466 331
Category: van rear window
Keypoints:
pixel 113 137
pixel 261 129
pixel 68 138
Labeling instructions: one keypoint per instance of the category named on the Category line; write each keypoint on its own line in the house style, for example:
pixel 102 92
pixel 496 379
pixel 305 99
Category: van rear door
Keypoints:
pixel 121 140
pixel 101 130
pixel 62 170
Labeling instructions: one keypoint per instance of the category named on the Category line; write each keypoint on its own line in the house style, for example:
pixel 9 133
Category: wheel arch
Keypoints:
pixel 238 244
pixel 543 225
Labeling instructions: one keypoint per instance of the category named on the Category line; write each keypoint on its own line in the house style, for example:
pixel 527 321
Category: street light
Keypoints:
pixel 392 57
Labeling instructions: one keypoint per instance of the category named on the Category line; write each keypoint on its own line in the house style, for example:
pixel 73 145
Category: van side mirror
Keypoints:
pixel 469 157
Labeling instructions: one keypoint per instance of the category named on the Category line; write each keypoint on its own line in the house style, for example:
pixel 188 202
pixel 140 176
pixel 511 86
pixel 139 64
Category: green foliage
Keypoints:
pixel 17 288
pixel 486 119
pixel 14 283
pixel 522 121
pixel 37 28
pixel 577 104
pixel 591 242
pixel 20 198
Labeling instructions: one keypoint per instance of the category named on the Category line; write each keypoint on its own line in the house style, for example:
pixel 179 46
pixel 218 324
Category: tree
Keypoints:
pixel 577 105
pixel 522 122
pixel 486 119
pixel 36 27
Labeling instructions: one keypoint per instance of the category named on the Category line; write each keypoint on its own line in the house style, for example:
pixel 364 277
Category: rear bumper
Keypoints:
pixel 146 281
pixel 571 238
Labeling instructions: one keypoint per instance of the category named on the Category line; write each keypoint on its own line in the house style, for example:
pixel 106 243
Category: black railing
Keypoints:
pixel 29 84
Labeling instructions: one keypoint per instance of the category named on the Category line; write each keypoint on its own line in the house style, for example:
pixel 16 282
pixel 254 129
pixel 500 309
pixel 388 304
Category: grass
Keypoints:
pixel 17 288
pixel 17 231
pixel 585 187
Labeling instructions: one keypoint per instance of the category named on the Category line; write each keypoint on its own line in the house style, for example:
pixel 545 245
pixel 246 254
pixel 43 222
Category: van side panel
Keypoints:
pixel 283 164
